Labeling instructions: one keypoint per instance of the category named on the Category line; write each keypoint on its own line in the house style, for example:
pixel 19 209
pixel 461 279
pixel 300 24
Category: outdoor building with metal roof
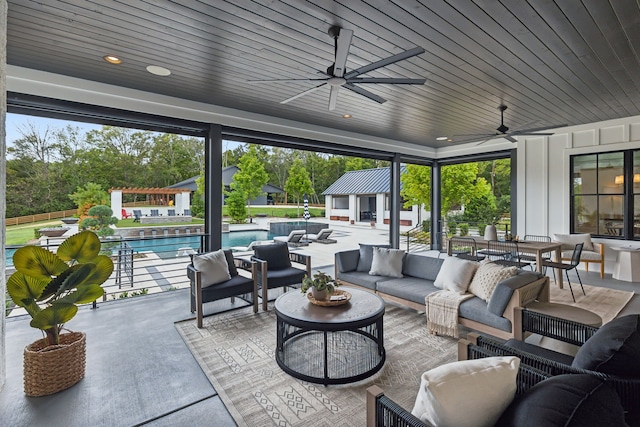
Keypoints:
pixel 363 195
pixel 266 198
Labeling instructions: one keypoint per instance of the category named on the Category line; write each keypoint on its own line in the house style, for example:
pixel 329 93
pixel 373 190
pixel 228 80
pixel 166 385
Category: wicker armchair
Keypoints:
pixel 384 412
pixel 551 362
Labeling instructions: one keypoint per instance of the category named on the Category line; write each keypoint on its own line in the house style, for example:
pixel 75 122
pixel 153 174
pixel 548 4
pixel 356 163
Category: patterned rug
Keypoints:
pixel 605 302
pixel 236 352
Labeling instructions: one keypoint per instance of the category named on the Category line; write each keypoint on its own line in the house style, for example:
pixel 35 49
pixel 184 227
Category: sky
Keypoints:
pixel 17 121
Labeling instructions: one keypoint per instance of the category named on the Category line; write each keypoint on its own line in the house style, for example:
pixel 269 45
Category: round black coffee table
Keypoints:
pixel 330 345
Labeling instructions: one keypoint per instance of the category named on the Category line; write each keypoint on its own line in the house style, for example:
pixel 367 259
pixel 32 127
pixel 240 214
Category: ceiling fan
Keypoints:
pixel 503 131
pixel 337 76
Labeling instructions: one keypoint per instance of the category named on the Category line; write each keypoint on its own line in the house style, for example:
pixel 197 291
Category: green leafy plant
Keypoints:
pixel 59 281
pixel 320 281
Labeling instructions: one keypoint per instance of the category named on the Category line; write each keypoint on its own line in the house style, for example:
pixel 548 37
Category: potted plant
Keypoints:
pixel 49 286
pixel 322 285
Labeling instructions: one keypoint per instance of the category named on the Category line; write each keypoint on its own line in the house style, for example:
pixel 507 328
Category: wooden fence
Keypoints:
pixel 27 219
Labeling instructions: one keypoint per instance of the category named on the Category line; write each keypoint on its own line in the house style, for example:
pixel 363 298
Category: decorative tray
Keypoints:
pixel 329 303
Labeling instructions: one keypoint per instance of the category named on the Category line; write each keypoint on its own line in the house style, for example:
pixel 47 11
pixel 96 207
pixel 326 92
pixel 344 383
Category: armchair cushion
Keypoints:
pixel 233 271
pixel 566 400
pixel 467 392
pixel 387 262
pixel 614 349
pixel 366 256
pixel 569 241
pixel 276 255
pixel 213 266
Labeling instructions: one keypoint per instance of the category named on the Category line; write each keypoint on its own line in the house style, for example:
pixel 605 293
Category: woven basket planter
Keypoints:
pixel 49 369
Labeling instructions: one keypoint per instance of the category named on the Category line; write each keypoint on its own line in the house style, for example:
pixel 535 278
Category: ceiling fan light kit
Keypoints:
pixel 337 76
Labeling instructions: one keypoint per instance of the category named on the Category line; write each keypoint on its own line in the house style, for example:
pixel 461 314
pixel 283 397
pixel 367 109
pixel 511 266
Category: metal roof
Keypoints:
pixel 227 177
pixel 366 181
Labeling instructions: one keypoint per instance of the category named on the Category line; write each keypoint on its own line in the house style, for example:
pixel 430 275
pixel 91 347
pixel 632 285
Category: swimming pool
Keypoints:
pixel 167 247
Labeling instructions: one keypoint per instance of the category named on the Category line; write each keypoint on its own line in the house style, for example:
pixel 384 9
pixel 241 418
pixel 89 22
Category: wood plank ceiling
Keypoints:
pixel 549 61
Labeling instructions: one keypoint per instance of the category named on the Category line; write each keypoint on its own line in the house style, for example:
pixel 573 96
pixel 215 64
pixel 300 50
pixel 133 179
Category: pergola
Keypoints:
pixel 154 196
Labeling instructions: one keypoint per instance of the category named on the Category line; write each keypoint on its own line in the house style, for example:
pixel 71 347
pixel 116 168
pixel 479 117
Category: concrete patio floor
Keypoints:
pixel 140 372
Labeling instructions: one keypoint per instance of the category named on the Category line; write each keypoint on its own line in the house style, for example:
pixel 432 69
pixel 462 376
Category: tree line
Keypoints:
pixel 46 166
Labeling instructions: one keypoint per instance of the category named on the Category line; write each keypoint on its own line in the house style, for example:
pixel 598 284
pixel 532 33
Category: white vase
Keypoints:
pixel 490 232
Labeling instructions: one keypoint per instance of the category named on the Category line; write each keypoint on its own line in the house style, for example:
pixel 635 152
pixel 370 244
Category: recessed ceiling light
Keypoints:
pixel 158 71
pixel 346 116
pixel 442 138
pixel 111 59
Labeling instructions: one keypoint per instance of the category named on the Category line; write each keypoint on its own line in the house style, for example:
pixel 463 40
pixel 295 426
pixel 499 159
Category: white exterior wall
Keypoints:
pixel 354 207
pixel 380 208
pixel 182 202
pixel 543 174
pixel 328 202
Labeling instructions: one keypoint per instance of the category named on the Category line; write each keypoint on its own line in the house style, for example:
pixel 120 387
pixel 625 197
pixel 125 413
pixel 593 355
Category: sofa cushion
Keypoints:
pixel 476 309
pixel 569 241
pixel 366 256
pixel 572 400
pixel 276 255
pixel 347 260
pixel 361 278
pixel 487 277
pixel 503 292
pixel 614 349
pixel 408 288
pixel 424 267
pixel 387 262
pixel 455 274
pixel 467 392
pixel 213 267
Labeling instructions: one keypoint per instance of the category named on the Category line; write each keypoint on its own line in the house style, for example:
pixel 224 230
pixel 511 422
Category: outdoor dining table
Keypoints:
pixel 537 248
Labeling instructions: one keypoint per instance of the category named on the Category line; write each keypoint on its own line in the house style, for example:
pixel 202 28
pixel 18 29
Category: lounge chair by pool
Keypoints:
pixel 322 236
pixel 293 239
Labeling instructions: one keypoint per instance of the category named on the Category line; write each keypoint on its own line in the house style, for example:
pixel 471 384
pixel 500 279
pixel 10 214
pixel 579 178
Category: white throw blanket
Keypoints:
pixel 442 312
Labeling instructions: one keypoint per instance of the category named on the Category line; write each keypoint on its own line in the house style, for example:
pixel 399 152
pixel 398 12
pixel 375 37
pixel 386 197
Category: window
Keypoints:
pixel 340 202
pixel 600 193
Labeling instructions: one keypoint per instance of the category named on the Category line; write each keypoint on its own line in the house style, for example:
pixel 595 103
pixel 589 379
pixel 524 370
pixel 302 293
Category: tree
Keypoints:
pixel 100 218
pixel 298 183
pixel 251 176
pixel 85 198
pixel 236 207
pixel 197 201
pixel 416 186
pixel 458 185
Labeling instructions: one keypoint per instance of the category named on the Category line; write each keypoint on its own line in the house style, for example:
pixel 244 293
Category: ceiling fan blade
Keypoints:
pixel 303 93
pixel 393 81
pixel 383 62
pixel 509 138
pixel 364 92
pixel 342 50
pixel 333 97
pixel 486 140
pixel 523 131
pixel 284 80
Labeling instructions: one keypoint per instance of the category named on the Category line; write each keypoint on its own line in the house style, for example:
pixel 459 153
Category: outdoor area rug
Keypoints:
pixel 236 351
pixel 605 302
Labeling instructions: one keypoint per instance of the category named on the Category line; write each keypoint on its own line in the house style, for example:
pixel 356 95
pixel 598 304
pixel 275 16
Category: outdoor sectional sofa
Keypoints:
pixel 419 273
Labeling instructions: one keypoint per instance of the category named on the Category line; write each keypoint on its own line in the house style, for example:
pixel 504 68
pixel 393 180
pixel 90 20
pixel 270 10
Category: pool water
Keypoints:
pixel 167 247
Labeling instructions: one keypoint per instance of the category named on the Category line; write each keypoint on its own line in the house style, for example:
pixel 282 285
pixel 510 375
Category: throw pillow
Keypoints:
pixel 276 255
pixel 468 392
pixel 487 277
pixel 366 256
pixel 213 267
pixel 455 274
pixel 233 271
pixel 569 241
pixel 572 400
pixel 387 262
pixel 614 349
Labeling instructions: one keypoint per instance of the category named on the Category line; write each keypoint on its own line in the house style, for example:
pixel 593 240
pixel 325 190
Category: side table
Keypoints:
pixel 563 311
pixel 627 266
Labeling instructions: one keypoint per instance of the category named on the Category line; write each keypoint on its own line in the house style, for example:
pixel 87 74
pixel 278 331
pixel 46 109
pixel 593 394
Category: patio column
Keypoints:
pixel 116 203
pixel 394 205
pixel 3 173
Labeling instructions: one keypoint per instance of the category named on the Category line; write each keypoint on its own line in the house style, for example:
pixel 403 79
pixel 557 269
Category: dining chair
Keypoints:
pixel 465 248
pixel 530 256
pixel 575 260
pixel 504 253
